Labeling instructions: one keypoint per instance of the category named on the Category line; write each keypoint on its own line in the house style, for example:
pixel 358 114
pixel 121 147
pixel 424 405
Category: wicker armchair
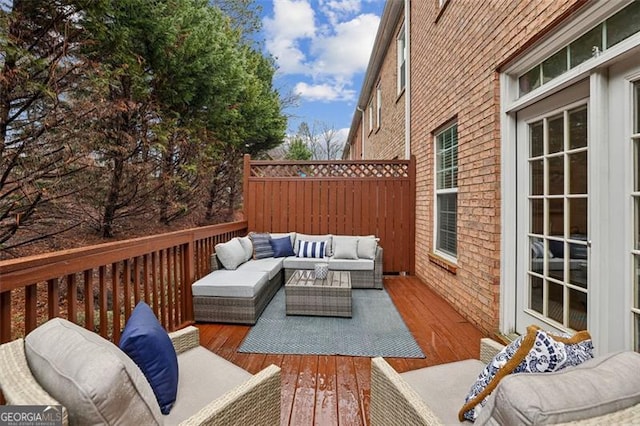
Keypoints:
pixel 256 401
pixel 395 402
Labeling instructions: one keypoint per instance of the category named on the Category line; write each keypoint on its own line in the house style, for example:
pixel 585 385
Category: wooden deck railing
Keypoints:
pixel 98 286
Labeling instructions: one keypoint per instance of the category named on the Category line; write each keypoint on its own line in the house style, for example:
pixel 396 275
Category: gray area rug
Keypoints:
pixel 376 329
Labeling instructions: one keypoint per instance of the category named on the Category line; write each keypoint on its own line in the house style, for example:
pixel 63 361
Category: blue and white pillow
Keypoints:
pixel 314 249
pixel 535 352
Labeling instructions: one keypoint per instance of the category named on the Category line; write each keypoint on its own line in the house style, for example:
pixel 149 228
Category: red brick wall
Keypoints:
pixel 453 75
pixel 387 141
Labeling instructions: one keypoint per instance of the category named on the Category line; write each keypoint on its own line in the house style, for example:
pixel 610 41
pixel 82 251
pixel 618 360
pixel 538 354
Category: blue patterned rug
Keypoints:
pixel 376 329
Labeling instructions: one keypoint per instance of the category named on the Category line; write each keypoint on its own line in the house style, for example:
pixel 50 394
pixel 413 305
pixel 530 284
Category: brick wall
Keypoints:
pixel 453 75
pixel 387 140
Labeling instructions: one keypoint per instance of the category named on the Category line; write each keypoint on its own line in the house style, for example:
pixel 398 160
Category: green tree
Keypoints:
pixel 120 132
pixel 196 83
pixel 39 67
pixel 298 150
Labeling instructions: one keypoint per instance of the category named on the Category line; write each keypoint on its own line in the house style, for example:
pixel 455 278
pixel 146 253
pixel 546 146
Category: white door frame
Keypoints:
pixel 595 71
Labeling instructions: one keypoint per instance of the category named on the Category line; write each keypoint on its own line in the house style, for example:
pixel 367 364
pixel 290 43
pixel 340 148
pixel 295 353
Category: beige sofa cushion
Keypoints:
pixel 443 387
pixel 599 386
pixel 225 283
pixel 92 377
pixel 198 386
pixel 345 247
pixel 271 265
pixel 350 264
pixel 231 254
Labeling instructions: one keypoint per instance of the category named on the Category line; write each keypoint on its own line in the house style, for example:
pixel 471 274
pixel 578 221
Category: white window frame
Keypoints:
pixel 401 46
pixel 370 109
pixel 511 103
pixel 453 258
pixel 378 105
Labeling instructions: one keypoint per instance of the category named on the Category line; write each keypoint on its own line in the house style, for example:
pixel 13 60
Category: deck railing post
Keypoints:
pixel 189 278
pixel 5 316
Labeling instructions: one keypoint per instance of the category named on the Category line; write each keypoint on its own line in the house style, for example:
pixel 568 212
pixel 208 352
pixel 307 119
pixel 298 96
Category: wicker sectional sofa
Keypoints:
pixel 240 295
pixel 602 391
pixel 211 390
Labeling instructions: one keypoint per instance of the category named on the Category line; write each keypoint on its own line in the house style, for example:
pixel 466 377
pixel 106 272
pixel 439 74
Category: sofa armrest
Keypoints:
pixel 255 402
pixel 393 401
pixel 18 385
pixel 185 339
pixel 377 268
pixel 488 349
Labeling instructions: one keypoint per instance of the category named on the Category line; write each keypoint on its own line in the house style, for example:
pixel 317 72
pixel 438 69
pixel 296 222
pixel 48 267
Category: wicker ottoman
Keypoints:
pixel 306 295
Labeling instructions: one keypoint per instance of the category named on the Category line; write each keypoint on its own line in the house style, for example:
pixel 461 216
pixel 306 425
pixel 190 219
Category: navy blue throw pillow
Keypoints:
pixel 282 247
pixel 149 346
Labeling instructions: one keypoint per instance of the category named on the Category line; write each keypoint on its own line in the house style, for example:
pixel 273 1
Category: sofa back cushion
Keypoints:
pixel 367 247
pixel 231 254
pixel 345 247
pixel 247 246
pixel 96 381
pixel 597 387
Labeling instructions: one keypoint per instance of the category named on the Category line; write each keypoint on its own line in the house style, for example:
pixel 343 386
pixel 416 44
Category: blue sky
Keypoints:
pixel 322 49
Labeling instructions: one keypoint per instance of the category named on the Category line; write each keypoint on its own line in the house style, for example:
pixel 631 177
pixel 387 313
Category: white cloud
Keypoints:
pixel 325 47
pixel 342 134
pixel 324 92
pixel 336 10
pixel 347 51
pixel 292 21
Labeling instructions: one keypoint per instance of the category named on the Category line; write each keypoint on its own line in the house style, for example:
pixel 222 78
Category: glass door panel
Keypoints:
pixel 558 218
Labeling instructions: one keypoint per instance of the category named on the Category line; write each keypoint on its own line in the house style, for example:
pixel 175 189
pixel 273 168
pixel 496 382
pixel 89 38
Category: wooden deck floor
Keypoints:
pixel 334 390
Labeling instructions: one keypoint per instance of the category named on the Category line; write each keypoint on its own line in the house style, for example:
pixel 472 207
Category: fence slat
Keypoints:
pixel 5 316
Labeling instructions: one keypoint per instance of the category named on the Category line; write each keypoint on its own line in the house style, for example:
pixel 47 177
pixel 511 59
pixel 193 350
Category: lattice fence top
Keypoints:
pixel 398 169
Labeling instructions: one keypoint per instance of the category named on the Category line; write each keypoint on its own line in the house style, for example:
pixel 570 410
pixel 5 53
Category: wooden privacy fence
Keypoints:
pixel 336 197
pixel 98 286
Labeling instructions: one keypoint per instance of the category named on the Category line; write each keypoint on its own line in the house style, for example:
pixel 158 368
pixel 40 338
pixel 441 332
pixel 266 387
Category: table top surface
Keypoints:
pixel 307 278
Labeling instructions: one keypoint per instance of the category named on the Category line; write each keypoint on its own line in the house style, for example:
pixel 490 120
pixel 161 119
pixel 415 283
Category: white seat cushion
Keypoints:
pixel 350 264
pixel 204 377
pixel 224 283
pixel 271 265
pixel 294 262
pixel 444 387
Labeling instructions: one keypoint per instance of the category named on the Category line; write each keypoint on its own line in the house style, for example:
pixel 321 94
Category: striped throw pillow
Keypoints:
pixel 311 249
pixel 261 245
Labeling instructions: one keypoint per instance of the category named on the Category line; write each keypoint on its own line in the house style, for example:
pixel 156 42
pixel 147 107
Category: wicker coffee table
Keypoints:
pixel 306 295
